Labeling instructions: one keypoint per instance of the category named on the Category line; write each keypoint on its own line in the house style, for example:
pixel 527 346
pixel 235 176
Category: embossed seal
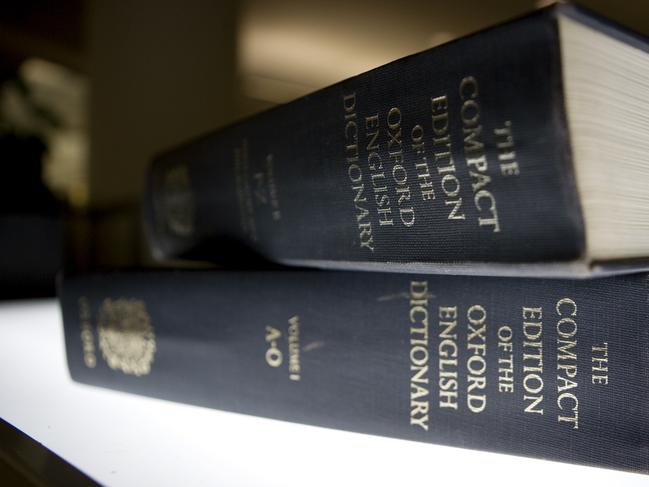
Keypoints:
pixel 178 202
pixel 126 337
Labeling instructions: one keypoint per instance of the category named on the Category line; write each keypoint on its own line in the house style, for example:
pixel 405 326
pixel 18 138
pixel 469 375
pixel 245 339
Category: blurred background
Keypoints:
pixel 90 90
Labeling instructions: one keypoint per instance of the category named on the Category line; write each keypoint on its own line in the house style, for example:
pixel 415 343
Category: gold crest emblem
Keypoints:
pixel 126 337
pixel 178 201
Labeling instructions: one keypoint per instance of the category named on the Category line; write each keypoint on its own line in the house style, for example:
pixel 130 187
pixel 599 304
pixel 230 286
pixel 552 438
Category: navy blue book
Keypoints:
pixel 517 150
pixel 550 369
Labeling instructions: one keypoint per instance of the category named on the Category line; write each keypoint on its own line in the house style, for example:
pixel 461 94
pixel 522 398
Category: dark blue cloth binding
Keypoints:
pixel 543 368
pixel 456 159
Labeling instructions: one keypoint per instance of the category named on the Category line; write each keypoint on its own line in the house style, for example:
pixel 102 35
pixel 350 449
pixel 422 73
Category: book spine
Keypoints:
pixel 549 369
pixel 455 155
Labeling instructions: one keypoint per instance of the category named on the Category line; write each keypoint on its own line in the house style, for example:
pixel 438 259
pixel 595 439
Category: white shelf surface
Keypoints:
pixel 121 439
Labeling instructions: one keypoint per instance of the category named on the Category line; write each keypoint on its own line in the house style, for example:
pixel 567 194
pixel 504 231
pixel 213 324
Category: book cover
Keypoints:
pixel 475 157
pixel 550 369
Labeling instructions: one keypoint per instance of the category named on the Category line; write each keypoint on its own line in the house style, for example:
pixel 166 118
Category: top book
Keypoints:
pixel 519 150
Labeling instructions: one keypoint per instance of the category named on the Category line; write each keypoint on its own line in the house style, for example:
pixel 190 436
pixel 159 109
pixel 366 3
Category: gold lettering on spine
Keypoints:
pixel 87 336
pixel 399 173
pixel 599 364
pixel 474 153
pixel 294 348
pixel 533 360
pixel 419 389
pixel 476 363
pixel 506 150
pixel 448 352
pixel 274 355
pixel 505 359
pixel 443 156
pixel 245 197
pixel 567 400
pixel 377 172
pixel 355 174
pixel 424 177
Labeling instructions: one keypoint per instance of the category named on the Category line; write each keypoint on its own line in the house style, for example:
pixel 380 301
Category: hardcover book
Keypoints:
pixel 517 150
pixel 551 369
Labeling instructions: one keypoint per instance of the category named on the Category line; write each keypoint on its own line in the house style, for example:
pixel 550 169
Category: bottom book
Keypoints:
pixel 544 368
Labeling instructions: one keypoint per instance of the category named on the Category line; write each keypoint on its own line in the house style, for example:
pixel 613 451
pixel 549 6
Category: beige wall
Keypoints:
pixel 160 72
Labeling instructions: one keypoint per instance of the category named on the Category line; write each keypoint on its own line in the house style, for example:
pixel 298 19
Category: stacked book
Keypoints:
pixel 479 217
